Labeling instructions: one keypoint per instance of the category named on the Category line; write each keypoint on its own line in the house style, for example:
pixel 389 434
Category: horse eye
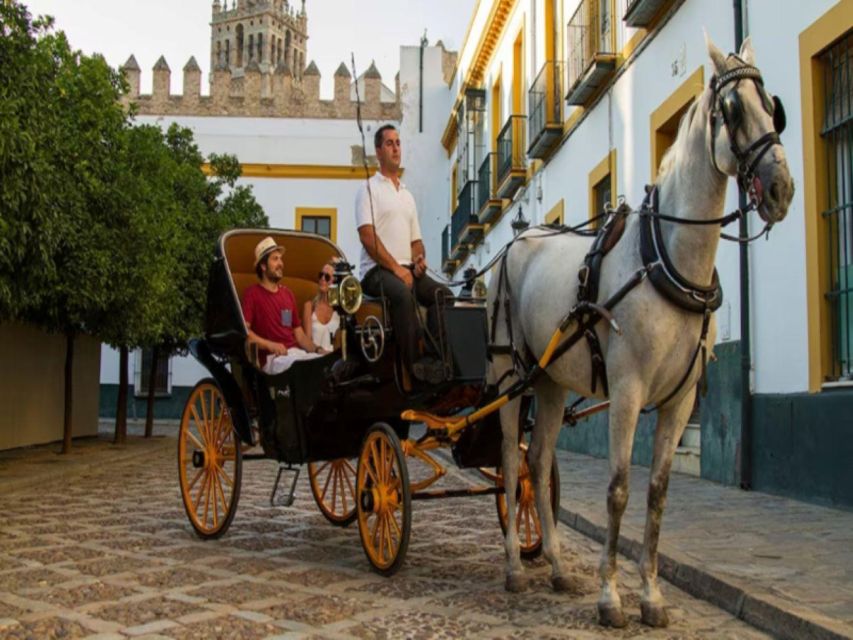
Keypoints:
pixel 733 109
pixel 779 119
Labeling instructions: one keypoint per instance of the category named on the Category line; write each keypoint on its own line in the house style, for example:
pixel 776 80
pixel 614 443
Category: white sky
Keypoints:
pixel 178 29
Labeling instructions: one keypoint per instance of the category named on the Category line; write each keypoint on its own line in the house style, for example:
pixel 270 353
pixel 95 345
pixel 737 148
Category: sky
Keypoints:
pixel 178 29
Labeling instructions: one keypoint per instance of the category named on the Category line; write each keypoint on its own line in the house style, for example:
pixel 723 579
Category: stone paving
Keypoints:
pixel 782 564
pixel 109 553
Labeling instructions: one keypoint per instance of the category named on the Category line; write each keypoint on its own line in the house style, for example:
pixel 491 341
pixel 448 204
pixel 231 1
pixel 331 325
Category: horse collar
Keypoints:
pixel 662 272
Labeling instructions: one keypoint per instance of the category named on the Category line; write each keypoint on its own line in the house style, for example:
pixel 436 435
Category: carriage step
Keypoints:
pixel 288 500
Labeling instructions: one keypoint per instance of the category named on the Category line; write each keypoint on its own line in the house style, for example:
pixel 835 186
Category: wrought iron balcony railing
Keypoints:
pixel 511 166
pixel 545 100
pixel 591 55
pixel 464 225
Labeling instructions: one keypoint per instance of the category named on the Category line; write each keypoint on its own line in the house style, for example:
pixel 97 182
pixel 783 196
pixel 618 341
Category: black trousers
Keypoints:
pixel 403 303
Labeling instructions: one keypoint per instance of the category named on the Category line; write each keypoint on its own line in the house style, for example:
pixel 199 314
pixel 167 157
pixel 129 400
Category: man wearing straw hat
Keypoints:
pixel 269 309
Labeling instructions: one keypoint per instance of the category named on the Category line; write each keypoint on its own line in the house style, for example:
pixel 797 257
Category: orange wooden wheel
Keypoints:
pixel 526 515
pixel 384 499
pixel 333 487
pixel 210 461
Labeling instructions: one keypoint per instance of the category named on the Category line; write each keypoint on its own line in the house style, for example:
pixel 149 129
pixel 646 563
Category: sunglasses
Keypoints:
pixel 324 276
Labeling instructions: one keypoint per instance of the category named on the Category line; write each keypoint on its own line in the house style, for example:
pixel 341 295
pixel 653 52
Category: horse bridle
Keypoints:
pixel 729 108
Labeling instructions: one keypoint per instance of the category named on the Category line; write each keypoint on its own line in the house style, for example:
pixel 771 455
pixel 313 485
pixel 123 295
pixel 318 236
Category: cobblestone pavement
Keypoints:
pixel 110 553
pixel 784 564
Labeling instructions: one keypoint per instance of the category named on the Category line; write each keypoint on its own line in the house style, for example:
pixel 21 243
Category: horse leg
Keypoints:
pixel 624 411
pixel 670 425
pixel 515 580
pixel 550 402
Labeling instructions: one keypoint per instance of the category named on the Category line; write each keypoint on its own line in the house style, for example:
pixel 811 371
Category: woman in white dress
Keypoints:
pixel 319 321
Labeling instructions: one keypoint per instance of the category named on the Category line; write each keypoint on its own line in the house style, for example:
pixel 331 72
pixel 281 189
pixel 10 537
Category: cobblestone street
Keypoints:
pixel 109 553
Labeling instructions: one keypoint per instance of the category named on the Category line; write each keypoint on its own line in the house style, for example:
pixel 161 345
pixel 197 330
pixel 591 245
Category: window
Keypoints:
pixel 826 60
pixel 239 45
pixel 557 213
pixel 602 185
pixel 666 118
pixel 321 221
pixel 837 134
pixel 142 373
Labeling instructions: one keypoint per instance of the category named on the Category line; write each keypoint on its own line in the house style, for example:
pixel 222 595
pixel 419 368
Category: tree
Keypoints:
pixel 61 125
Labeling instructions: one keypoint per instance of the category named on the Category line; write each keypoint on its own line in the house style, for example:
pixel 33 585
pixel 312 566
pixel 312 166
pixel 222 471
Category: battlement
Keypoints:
pixel 256 93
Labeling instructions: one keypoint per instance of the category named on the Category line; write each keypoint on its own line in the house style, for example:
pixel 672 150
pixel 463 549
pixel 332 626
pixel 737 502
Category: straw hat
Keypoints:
pixel 264 248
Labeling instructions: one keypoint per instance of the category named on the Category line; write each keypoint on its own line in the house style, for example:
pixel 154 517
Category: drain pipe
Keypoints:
pixel 424 43
pixel 745 324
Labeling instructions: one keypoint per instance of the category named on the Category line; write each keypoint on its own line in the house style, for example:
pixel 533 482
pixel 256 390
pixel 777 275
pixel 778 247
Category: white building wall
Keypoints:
pixel 621 120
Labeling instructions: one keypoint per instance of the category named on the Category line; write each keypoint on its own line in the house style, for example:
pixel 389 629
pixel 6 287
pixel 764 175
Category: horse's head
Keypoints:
pixel 744 134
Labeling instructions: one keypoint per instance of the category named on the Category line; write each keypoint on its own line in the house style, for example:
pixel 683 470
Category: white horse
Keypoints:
pixel 657 351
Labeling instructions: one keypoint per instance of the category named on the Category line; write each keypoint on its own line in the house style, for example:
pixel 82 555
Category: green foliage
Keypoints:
pixel 105 227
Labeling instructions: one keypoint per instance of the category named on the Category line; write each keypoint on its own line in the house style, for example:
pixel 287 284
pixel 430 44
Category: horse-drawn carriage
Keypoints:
pixel 355 403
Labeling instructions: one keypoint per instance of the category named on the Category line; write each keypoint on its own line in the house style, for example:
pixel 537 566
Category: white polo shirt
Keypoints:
pixel 395 218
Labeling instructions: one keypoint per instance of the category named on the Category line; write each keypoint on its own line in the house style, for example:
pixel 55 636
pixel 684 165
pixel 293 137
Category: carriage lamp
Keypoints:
pixel 346 295
pixel 519 222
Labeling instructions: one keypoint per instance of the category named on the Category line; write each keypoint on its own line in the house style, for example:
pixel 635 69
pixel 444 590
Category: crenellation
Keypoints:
pixel 258 93
pixel 162 80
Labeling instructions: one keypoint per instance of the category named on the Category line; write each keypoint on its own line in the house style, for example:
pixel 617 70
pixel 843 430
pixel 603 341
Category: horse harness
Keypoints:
pixel 657 265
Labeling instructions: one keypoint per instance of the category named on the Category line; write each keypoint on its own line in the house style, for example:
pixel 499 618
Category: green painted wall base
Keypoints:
pixel 165 408
pixel 802 446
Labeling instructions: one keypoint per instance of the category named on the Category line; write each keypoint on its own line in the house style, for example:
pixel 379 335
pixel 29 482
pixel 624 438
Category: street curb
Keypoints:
pixel 761 611
pixel 77 468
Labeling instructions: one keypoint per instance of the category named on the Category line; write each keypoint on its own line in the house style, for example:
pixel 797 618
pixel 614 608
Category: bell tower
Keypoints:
pixel 268 32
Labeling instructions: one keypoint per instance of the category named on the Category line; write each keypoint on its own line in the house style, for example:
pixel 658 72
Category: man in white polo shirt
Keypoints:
pixel 393 259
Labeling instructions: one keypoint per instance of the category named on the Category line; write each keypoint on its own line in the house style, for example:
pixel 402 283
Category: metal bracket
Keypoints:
pixel 288 501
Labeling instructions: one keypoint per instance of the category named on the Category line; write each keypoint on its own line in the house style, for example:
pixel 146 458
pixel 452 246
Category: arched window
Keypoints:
pixel 260 47
pixel 251 47
pixel 278 55
pixel 219 52
pixel 287 57
pixel 228 52
pixel 239 45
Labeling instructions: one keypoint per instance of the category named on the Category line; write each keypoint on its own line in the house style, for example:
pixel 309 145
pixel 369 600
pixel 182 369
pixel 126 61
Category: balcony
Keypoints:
pixel 546 114
pixel 489 205
pixel 641 13
pixel 511 167
pixel 448 266
pixel 465 228
pixel 592 60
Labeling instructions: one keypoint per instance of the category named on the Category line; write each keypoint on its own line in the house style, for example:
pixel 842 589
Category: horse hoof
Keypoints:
pixel 570 584
pixel 611 617
pixel 515 584
pixel 654 615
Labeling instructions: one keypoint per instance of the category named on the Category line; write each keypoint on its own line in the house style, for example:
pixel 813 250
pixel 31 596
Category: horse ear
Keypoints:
pixel 716 56
pixel 746 52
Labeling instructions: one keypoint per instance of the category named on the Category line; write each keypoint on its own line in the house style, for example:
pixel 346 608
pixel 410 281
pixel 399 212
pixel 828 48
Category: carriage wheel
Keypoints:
pixel 210 461
pixel 526 515
pixel 384 499
pixel 333 487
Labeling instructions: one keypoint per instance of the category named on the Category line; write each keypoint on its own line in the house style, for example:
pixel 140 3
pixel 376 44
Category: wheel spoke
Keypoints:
pixel 334 488
pixel 388 536
pixel 374 451
pixel 221 494
pixel 371 472
pixel 343 490
pixel 199 424
pixel 326 487
pixel 192 482
pixel 225 476
pixel 320 469
pixel 375 531
pixel 349 467
pixel 215 502
pixel 381 537
pixel 204 415
pixel 195 440
pixel 349 477
pixel 200 493
pixel 397 528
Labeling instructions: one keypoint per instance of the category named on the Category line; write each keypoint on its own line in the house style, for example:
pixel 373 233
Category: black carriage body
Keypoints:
pixel 305 414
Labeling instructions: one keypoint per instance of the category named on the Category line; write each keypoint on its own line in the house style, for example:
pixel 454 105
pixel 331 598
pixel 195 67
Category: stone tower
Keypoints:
pixel 266 32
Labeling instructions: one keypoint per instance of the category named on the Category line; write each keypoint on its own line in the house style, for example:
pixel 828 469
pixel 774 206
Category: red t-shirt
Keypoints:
pixel 273 316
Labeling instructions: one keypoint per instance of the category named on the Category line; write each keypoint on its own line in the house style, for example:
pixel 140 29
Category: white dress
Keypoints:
pixel 322 334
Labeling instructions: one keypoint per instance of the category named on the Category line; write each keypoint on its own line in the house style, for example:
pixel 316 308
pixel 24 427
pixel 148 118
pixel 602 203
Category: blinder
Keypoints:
pixel 732 106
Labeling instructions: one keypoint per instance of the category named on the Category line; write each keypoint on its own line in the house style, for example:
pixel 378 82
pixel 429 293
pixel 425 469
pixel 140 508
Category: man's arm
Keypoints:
pixel 376 250
pixel 419 258
pixel 304 341
pixel 275 348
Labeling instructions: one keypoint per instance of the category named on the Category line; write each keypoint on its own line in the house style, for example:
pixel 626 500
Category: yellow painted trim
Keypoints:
pixel 557 213
pixel 497 112
pixel 688 91
pixel 599 172
pixel 318 212
pixel 822 33
pixel 480 60
pixel 632 44
pixel 518 79
pixel 304 171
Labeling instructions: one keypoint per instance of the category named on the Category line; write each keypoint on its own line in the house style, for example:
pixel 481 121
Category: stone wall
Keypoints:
pixel 257 94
